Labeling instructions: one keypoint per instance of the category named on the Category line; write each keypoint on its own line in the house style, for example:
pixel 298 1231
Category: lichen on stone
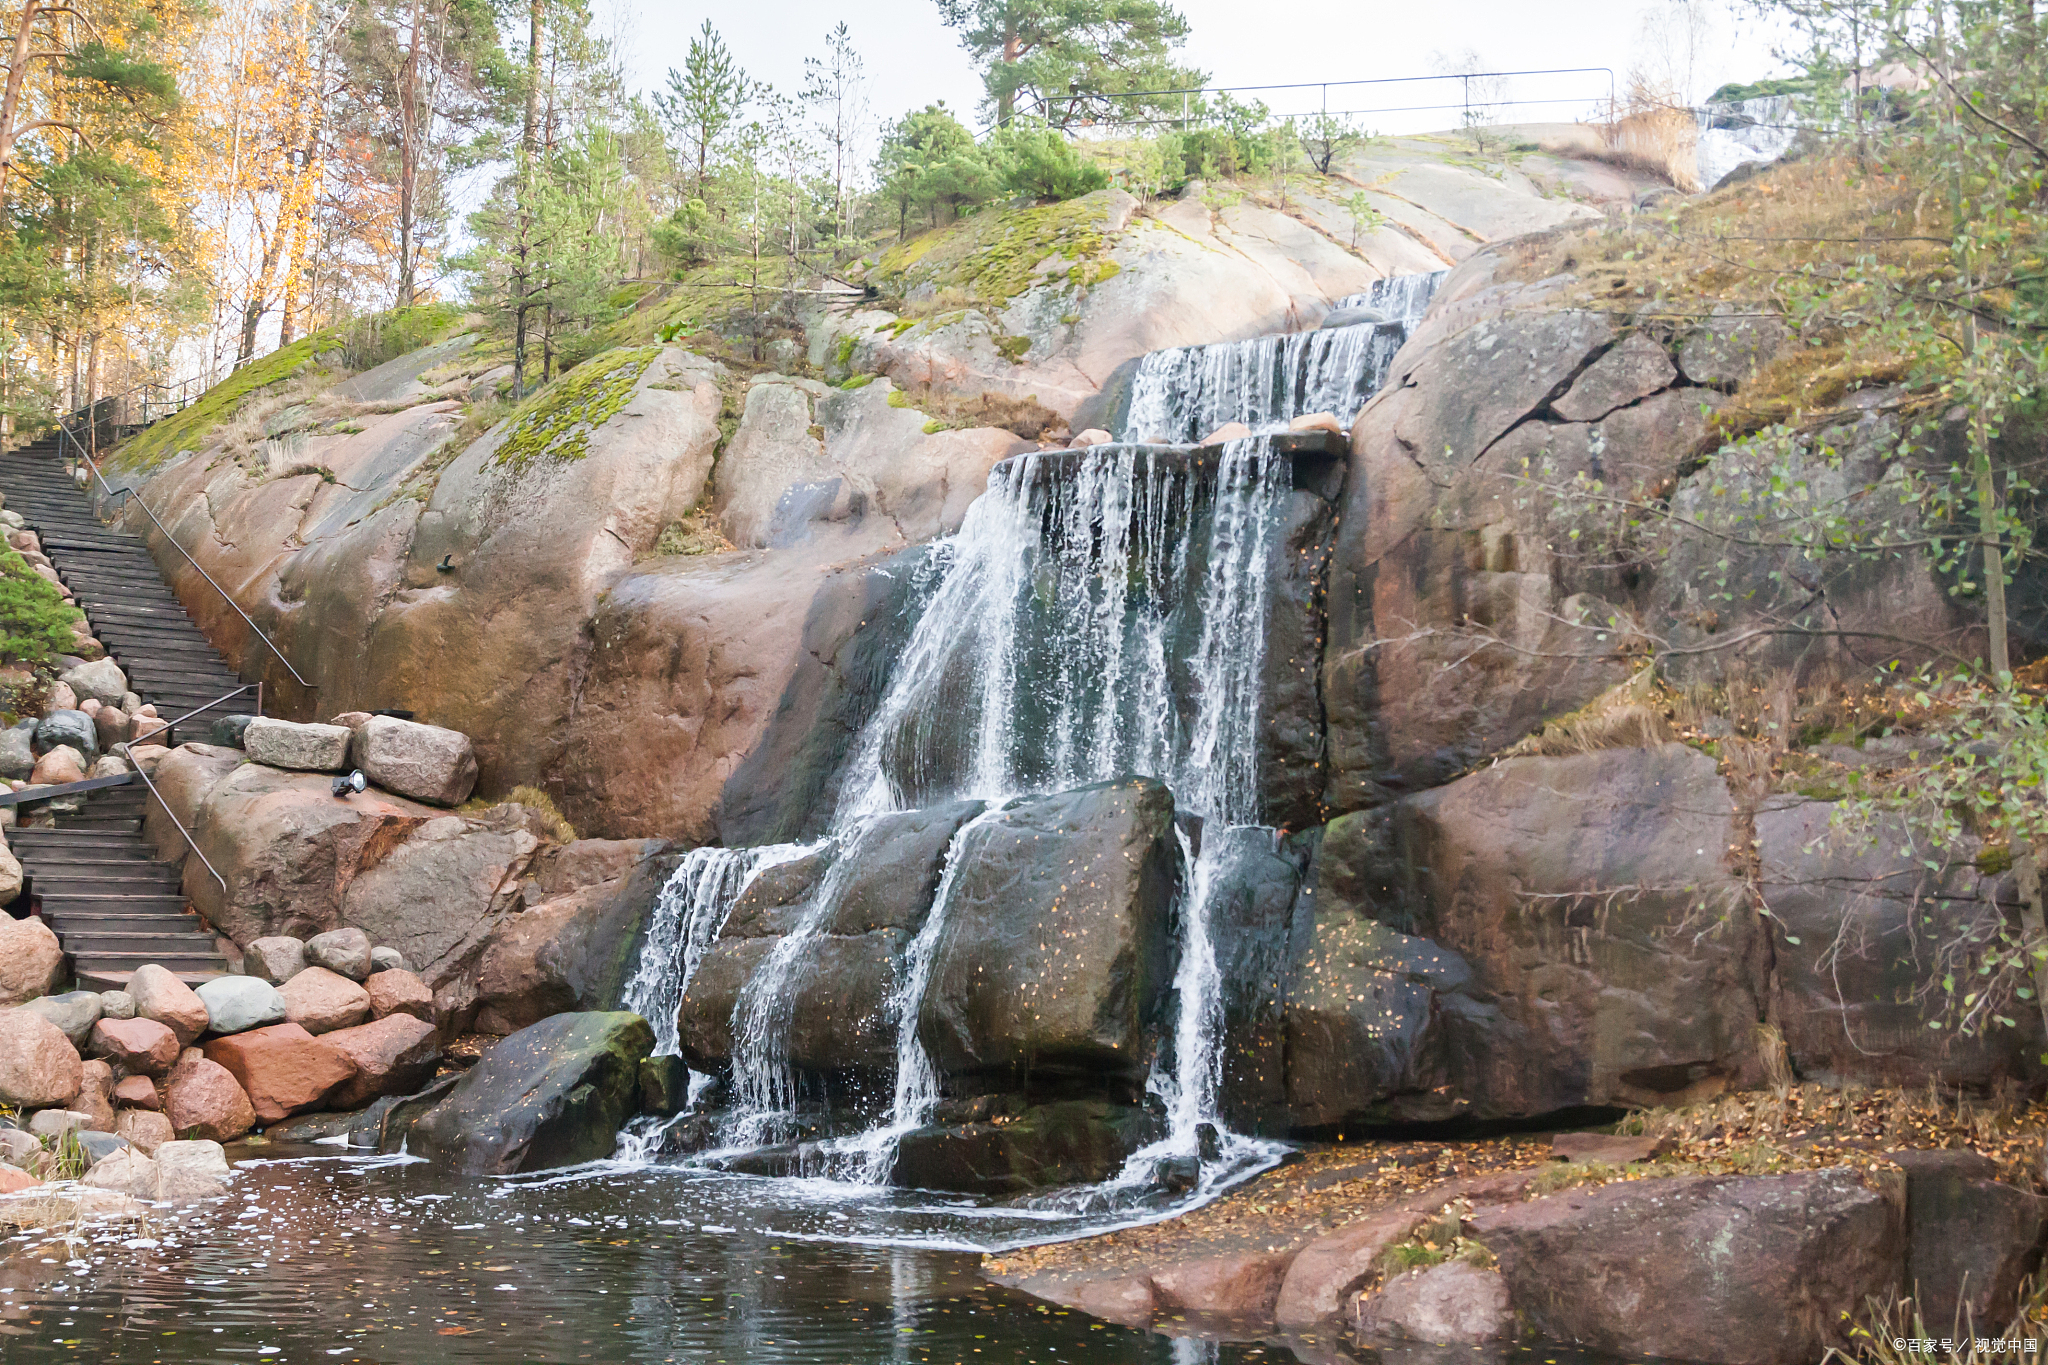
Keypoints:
pixel 556 422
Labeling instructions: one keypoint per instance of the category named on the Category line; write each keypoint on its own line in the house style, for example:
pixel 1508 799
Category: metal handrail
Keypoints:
pixel 48 792
pixel 169 725
pixel 64 434
pixel 190 842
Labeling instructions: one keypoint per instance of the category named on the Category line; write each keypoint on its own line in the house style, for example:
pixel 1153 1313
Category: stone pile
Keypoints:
pixel 87 713
pixel 331 1022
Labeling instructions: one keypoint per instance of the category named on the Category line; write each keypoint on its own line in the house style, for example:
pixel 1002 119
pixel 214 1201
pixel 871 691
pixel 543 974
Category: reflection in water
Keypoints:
pixel 335 1259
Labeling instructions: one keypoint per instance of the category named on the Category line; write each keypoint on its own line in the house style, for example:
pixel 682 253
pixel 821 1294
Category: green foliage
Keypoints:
pixel 365 343
pixel 928 160
pixel 994 256
pixel 1058 59
pixel 1737 92
pixel 188 428
pixel 555 423
pixel 704 101
pixel 1038 162
pixel 35 620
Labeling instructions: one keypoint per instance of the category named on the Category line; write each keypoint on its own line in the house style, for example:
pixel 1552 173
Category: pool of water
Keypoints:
pixel 318 1256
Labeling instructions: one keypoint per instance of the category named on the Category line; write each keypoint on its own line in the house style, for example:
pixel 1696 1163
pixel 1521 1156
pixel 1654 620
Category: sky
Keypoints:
pixel 913 60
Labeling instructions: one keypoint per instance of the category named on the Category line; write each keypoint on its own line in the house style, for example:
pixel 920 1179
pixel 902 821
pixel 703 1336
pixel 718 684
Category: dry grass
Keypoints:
pixel 1896 1319
pixel 1025 417
pixel 537 802
pixel 1654 133
pixel 1632 715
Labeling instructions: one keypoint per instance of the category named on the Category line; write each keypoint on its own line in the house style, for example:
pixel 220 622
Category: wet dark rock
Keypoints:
pixel 1071 1142
pixel 554 1094
pixel 664 1086
pixel 1056 946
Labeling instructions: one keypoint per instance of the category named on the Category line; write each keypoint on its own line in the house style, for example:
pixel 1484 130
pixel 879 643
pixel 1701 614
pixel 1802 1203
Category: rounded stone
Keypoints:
pixel 38 1065
pixel 236 1004
pixel 68 727
pixel 161 996
pixel 345 952
pixel 206 1101
pixel 145 1128
pixel 276 958
pixel 387 960
pixel 74 1012
pixel 117 1005
pixel 141 1046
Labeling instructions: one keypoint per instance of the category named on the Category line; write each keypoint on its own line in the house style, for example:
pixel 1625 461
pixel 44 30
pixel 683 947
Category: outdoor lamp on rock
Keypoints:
pixel 348 786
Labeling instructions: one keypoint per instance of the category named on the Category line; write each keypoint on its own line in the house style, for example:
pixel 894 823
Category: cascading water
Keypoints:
pixel 1100 613
pixel 1182 395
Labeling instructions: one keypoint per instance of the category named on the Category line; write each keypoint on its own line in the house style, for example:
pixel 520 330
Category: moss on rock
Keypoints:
pixel 556 422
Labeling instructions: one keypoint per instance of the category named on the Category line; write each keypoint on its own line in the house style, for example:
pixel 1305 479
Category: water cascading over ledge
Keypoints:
pixel 1051 869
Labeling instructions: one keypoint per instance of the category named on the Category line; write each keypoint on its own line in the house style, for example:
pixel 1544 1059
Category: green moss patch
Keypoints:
pixel 995 255
pixel 556 422
pixel 187 429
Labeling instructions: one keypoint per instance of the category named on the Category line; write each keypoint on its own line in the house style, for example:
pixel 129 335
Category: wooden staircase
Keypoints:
pixel 97 880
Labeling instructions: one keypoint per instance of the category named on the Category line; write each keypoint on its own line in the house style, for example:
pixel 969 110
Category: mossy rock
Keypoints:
pixel 556 423
pixel 995 255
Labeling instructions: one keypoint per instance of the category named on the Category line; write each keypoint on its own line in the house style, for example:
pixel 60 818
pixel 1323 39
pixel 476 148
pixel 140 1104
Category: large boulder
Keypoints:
pixel 38 1065
pixel 345 952
pixel 1597 902
pixel 17 754
pixel 101 681
pixel 161 996
pixel 59 767
pixel 1733 1270
pixel 393 1056
pixel 181 781
pixel 96 1094
pixel 553 1094
pixel 139 1046
pixel 468 871
pixel 399 992
pixel 296 747
pixel 31 960
pixel 282 1069
pixel 67 729
pixel 191 1169
pixel 424 762
pixel 1056 942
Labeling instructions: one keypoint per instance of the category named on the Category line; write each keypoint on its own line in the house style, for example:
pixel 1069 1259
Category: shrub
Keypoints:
pixel 1035 160
pixel 35 620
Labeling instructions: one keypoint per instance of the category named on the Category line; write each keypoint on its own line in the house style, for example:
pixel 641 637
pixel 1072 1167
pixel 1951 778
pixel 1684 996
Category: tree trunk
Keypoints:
pixel 2033 925
pixel 408 156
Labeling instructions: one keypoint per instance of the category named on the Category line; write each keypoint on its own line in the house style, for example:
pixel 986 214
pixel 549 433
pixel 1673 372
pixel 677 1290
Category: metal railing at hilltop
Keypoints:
pixel 1082 111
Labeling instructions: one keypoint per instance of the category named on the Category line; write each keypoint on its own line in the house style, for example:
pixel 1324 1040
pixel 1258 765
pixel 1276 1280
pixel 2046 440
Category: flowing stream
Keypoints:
pixel 1100 613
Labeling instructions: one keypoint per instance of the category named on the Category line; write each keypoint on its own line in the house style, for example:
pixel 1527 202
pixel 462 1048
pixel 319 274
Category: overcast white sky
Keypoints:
pixel 914 60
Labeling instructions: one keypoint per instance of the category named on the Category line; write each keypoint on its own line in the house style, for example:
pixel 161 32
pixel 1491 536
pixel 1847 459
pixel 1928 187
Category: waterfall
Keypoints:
pixel 1100 613
pixel 687 918
pixel 1182 395
pixel 1399 298
pixel 1748 130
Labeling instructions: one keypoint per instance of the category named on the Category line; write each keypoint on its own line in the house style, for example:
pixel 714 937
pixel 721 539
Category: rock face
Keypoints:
pixel 554 1094
pixel 1970 1239
pixel 300 863
pixel 1449 1304
pixel 1582 1267
pixel 571 948
pixel 423 762
pixel 38 1065
pixel 296 748
pixel 282 1069
pixel 1562 882
pixel 31 960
